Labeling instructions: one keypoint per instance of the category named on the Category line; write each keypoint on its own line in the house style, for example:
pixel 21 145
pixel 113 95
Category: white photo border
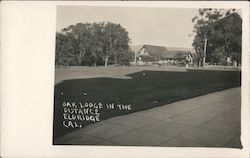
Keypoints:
pixel 27 85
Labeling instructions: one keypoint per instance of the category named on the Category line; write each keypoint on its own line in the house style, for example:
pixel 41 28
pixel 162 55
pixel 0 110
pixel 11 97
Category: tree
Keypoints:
pixel 115 37
pixel 222 30
pixel 98 41
pixel 81 38
pixel 90 42
pixel 122 57
pixel 65 48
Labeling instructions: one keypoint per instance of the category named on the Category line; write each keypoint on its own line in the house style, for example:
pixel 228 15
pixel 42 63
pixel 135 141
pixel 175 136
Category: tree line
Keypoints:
pixel 217 36
pixel 93 44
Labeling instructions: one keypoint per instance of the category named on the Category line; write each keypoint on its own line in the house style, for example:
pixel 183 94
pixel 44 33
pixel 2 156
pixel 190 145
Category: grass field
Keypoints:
pixel 140 87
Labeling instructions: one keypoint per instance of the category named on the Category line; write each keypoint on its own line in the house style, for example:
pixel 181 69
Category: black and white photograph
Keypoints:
pixel 147 76
pixel 124 79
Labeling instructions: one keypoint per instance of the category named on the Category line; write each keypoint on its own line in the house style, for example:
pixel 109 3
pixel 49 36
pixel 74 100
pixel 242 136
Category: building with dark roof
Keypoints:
pixel 150 54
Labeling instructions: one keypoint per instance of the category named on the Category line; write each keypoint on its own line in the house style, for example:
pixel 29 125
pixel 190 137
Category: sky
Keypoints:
pixel 168 27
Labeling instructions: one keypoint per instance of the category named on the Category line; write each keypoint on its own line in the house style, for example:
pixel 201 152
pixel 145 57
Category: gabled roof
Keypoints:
pixel 170 55
pixel 182 49
pixel 136 48
pixel 178 54
pixel 160 52
pixel 155 51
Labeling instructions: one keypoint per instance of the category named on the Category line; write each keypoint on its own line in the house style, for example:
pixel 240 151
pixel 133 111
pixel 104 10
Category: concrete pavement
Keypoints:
pixel 211 120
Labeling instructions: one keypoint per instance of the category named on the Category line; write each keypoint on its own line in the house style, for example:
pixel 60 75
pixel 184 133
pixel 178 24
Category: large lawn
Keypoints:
pixel 146 89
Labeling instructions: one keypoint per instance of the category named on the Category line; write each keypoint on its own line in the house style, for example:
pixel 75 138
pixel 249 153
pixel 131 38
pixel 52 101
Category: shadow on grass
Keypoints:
pixel 146 89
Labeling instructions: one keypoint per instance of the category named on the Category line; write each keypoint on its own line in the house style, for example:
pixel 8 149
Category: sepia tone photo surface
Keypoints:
pixel 145 76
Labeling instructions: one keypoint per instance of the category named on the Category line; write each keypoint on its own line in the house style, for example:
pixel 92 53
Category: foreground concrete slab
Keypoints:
pixel 82 139
pixel 221 126
pixel 212 120
pixel 178 142
pixel 211 139
pixel 108 130
pixel 139 138
pixel 133 121
pixel 158 113
pixel 194 118
pixel 167 128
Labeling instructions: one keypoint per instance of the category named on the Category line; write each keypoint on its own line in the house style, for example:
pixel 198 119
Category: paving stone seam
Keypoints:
pixel 98 144
pixel 200 125
pixel 156 120
pixel 105 139
pixel 216 131
pixel 87 135
pixel 71 135
pixel 198 143
pixel 134 129
pixel 108 139
pixel 137 130
pixel 169 111
pixel 214 116
pixel 235 134
pixel 78 131
pixel 175 137
pixel 181 133
pixel 190 110
pixel 182 101
pixel 231 140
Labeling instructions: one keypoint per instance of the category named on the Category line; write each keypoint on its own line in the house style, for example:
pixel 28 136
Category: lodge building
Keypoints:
pixel 160 55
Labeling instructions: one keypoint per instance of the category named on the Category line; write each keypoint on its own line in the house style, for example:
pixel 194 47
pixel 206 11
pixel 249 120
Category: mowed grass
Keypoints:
pixel 146 89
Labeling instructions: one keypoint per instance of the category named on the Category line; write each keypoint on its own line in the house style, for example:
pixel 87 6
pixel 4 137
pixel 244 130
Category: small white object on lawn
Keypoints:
pixel 167 120
pixel 61 93
pixel 143 73
pixel 84 93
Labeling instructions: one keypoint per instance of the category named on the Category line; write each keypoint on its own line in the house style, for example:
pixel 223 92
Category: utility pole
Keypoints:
pixel 205 51
pixel 135 58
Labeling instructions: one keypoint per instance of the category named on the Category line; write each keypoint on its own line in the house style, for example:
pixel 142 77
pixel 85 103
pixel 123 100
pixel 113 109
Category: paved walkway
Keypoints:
pixel 211 120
